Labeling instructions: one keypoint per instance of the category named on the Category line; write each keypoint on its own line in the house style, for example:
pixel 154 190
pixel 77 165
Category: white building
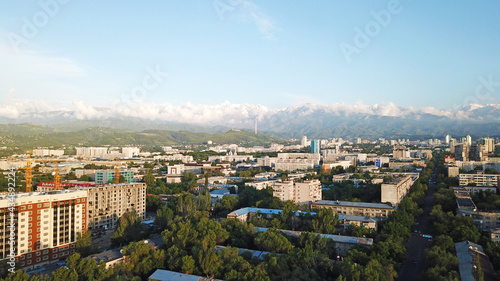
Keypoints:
pixel 299 192
pixel 91 151
pixel 129 152
pixel 48 152
pixel 296 161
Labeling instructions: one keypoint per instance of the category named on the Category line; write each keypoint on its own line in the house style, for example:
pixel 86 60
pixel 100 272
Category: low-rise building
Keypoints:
pixel 479 179
pixel 167 275
pixel 369 210
pixel 248 213
pixel 470 256
pixel 259 185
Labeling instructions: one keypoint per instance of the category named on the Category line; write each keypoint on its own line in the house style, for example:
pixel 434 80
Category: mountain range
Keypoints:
pixel 313 120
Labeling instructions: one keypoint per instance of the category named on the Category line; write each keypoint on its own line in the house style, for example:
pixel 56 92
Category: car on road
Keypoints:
pixel 415 261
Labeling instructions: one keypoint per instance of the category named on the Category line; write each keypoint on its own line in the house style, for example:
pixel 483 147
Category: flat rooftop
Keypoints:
pixel 353 204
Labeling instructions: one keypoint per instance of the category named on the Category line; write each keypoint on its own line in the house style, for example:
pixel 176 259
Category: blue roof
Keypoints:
pixel 244 211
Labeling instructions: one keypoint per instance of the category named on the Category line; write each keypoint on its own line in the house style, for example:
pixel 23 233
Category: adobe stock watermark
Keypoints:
pixel 11 179
pixel 363 37
pixel 32 26
pixel 221 7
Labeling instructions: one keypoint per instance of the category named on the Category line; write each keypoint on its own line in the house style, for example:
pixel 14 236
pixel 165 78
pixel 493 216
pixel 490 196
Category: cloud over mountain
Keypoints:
pixel 310 118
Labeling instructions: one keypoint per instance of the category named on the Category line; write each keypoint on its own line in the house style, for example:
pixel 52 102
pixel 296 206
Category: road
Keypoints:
pixel 415 249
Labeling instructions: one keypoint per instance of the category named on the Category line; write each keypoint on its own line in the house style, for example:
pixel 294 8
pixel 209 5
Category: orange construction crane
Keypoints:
pixel 57 177
pixel 29 173
pixel 117 171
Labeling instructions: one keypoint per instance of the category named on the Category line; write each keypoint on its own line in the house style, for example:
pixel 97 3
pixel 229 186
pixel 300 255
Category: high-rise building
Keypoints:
pixel 315 146
pixel 462 152
pixel 43 226
pixel 468 140
pixel 476 152
pixel 303 142
pixel 400 152
pixel 447 139
pixel 488 143
pixel 109 202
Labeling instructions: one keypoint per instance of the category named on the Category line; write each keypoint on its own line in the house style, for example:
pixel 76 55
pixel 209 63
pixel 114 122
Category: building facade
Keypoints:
pixel 397 188
pixel 106 204
pixel 106 176
pixel 369 210
pixel 46 227
pixel 478 179
pixel 299 192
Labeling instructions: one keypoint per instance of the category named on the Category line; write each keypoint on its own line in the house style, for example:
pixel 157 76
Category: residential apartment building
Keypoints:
pixel 397 188
pixel 107 203
pixel 296 161
pixel 369 210
pixel 91 151
pixel 299 192
pixel 259 185
pixel 48 152
pixel 479 179
pixel 495 235
pixel 462 152
pixel 106 176
pixel 400 152
pixel 46 226
pixel 484 220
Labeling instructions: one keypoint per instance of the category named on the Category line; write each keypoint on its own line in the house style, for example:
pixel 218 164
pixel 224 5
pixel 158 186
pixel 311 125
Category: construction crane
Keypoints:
pixel 57 177
pixel 28 173
pixel 117 171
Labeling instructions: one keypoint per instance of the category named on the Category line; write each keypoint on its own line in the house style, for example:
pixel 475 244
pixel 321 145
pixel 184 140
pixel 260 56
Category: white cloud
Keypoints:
pixel 265 24
pixel 226 113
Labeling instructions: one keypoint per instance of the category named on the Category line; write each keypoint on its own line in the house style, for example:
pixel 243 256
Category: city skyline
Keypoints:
pixel 65 54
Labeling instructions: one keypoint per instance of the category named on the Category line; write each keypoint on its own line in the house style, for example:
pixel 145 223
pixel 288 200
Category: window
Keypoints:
pixel 30 207
pixel 39 205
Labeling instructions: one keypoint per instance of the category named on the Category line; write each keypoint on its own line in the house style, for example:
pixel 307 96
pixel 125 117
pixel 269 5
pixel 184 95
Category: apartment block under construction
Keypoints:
pixel 107 203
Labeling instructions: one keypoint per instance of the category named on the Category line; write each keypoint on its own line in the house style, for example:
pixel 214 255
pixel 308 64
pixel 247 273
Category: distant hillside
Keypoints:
pixel 26 128
pixel 32 136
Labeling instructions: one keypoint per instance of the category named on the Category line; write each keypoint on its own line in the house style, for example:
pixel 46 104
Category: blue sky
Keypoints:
pixel 428 54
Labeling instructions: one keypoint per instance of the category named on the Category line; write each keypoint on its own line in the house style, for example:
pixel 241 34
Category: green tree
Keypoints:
pixel 84 244
pixel 274 241
pixel 129 229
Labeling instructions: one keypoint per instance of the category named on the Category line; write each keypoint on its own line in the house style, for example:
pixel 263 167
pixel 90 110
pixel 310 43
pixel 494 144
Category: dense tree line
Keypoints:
pixel 450 228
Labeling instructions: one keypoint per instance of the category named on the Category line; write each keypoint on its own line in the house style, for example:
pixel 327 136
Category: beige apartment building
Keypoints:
pixel 299 192
pixel 109 202
pixel 46 226
pixel 394 191
pixel 478 179
pixel 369 210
